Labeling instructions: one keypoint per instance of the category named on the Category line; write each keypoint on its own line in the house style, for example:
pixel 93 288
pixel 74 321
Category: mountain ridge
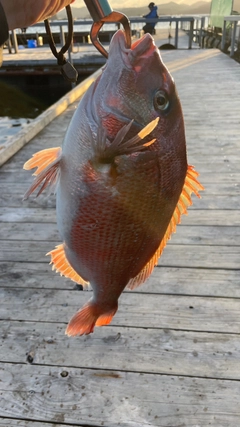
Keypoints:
pixel 171 8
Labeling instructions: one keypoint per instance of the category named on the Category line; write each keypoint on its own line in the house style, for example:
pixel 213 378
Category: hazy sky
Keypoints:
pixel 135 3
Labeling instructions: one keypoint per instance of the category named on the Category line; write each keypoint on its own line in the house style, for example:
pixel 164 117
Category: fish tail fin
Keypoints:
pixel 47 173
pixel 83 322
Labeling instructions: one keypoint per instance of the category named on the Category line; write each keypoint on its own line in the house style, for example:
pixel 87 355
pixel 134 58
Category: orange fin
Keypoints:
pixel 47 164
pixel 191 185
pixel 106 318
pixel 118 147
pixel 83 322
pixel 62 266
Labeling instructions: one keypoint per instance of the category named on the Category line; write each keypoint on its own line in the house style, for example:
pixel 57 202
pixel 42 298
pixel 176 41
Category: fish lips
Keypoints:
pixel 140 51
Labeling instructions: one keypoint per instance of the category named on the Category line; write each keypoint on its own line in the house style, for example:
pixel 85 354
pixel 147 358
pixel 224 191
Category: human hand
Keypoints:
pixel 23 13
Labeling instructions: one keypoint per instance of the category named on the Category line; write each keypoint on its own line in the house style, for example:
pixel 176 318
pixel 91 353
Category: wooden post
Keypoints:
pixel 190 34
pixel 9 44
pixel 201 30
pixel 223 35
pixel 234 30
pixel 14 40
pixel 62 35
pixel 176 34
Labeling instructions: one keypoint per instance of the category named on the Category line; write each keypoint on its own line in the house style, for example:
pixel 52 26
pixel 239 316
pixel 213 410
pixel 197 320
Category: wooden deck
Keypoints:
pixel 171 356
pixel 85 57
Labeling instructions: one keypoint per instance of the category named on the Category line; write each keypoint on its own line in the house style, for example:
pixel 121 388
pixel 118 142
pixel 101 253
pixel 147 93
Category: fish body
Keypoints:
pixel 122 178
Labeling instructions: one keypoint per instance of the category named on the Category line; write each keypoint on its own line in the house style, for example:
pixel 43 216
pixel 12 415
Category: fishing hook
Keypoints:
pixel 101 12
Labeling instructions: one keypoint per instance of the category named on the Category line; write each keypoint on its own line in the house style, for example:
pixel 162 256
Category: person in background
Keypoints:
pixel 149 27
pixel 23 13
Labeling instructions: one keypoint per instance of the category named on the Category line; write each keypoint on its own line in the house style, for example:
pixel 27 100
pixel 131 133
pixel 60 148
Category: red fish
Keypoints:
pixel 122 179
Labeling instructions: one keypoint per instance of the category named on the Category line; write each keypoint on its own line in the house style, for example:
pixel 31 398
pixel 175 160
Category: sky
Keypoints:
pixel 135 3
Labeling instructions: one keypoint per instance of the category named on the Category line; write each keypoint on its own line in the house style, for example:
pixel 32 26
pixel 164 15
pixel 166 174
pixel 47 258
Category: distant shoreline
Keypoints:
pixel 171 8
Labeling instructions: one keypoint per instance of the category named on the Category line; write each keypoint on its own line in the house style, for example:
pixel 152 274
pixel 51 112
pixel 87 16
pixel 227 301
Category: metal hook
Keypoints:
pixel 101 12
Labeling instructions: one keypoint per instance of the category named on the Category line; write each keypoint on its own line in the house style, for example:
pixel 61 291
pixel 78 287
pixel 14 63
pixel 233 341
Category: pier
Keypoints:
pixel 171 355
pixel 27 61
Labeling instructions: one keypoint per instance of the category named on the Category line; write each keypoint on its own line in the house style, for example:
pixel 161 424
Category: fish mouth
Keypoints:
pixel 140 50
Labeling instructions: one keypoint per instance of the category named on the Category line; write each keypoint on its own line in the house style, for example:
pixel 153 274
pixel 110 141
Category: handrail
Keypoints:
pixel 233 19
pixel 191 19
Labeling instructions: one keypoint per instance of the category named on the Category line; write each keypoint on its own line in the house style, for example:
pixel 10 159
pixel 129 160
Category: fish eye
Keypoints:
pixel 161 101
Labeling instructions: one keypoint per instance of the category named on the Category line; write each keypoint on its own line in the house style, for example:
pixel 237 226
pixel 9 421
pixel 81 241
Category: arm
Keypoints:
pixel 23 13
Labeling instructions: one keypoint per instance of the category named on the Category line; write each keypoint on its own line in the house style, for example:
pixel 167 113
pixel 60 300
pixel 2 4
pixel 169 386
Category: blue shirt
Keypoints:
pixel 152 14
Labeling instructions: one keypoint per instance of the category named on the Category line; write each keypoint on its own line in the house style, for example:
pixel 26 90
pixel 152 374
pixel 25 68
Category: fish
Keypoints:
pixel 121 179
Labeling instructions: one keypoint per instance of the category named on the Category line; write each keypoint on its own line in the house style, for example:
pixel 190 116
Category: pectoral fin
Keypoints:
pixel 191 185
pixel 47 173
pixel 118 147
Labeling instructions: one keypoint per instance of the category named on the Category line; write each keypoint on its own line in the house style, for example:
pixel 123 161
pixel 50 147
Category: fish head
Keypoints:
pixel 136 85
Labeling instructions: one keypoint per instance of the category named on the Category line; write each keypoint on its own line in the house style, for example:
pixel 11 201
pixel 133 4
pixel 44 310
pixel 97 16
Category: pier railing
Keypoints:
pixel 191 24
pixel 230 27
pixel 196 26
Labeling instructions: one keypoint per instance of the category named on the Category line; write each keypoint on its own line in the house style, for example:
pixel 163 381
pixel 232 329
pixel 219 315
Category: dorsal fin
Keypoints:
pixel 191 185
pixel 62 266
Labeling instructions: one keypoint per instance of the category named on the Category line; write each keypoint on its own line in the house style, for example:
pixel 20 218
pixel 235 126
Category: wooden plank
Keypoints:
pixel 148 350
pixel 217 196
pixel 101 397
pixel 221 217
pixel 14 199
pixel 135 309
pixel 201 256
pixel 21 214
pixel 185 234
pixel 216 164
pixel 8 422
pixel 163 280
pixel 24 178
pixel 174 255
pixel 221 199
pixel 25 231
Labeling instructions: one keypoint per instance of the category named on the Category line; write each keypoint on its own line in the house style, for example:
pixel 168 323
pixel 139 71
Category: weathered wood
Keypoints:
pixel 161 351
pixel 163 280
pixel 135 309
pixel 221 199
pixel 8 214
pixel 185 234
pixel 112 398
pixel 221 217
pixel 219 163
pixel 8 422
pixel 174 255
pixel 212 179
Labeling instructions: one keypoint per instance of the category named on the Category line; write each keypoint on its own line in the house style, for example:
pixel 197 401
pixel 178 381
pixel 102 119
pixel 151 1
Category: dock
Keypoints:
pixel 171 355
pixel 84 56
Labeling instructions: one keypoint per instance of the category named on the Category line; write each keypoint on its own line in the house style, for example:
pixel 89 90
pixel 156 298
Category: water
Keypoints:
pixel 23 100
pixel 21 103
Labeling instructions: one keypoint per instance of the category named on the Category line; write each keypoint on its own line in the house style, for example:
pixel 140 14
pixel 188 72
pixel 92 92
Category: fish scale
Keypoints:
pixel 122 179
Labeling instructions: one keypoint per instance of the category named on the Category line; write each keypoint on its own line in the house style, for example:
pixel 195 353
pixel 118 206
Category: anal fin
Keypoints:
pixel 62 266
pixel 47 173
pixel 191 185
